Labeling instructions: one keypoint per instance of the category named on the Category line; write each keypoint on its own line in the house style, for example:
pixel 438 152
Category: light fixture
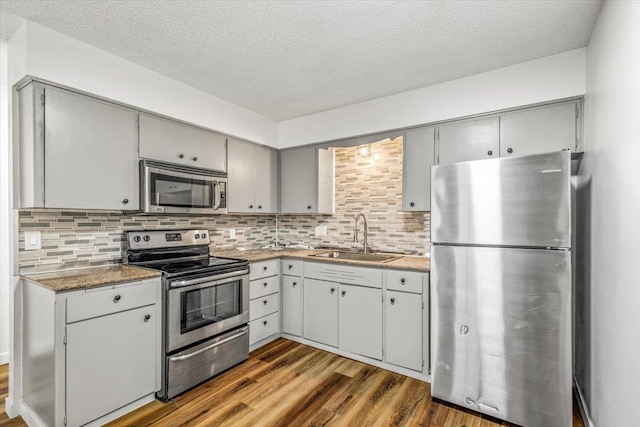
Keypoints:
pixel 364 150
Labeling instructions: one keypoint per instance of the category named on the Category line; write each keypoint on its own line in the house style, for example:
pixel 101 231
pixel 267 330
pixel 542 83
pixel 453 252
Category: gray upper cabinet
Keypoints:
pixel 76 151
pixel 540 130
pixel 417 158
pixel 307 180
pixel 174 142
pixel 469 140
pixel 252 178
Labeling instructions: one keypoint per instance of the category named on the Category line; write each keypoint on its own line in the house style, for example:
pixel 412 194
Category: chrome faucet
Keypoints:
pixel 366 231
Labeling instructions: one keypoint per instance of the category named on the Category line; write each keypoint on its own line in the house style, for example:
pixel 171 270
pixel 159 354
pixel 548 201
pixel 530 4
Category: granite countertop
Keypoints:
pixel 70 280
pixel 405 262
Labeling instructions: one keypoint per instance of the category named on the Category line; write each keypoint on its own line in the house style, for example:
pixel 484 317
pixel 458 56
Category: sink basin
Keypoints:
pixel 357 256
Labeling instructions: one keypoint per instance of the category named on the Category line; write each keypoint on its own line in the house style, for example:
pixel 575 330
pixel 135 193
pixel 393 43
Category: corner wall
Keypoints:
pixel 608 314
pixel 5 207
pixel 545 79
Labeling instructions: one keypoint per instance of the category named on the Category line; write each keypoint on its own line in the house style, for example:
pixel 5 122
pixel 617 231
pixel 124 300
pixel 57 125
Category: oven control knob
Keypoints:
pixel 136 239
pixel 197 236
pixel 204 235
pixel 146 238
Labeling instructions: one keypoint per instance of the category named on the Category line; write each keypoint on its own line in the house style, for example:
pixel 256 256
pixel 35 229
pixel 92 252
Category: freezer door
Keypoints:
pixel 516 201
pixel 501 332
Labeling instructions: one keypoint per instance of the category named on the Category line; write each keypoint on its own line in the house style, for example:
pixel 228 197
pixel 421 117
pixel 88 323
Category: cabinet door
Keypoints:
pixel 469 140
pixel 174 142
pixel 111 362
pixel 360 312
pixel 90 153
pixel 266 179
pixel 418 156
pixel 298 180
pixel 241 176
pixel 321 311
pixel 539 130
pixel 403 329
pixel 292 305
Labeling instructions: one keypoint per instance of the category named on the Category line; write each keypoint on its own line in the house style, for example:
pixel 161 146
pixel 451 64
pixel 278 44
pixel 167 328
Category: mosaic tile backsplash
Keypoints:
pixel 371 185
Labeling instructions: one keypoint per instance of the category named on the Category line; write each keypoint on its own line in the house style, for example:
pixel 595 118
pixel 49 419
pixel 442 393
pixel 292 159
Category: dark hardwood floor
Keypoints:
pixel 290 384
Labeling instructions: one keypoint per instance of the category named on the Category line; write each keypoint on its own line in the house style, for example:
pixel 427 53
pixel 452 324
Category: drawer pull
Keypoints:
pixel 265 284
pixel 294 284
pixel 116 299
pixel 264 323
pixel 264 302
pixel 393 301
pixel 147 317
pixel 264 268
pixel 402 280
pixel 290 266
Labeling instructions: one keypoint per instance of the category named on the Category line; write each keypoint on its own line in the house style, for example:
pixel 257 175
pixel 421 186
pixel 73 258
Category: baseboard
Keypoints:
pixel 11 408
pixel 584 410
pixel 30 417
pixel 4 358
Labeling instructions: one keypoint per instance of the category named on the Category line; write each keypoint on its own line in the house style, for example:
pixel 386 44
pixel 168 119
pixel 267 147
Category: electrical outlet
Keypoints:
pixel 32 240
pixel 232 233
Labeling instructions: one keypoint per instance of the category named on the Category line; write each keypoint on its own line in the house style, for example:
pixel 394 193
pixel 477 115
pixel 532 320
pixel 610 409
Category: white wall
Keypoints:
pixel 552 77
pixel 610 179
pixel 61 59
pixel 5 207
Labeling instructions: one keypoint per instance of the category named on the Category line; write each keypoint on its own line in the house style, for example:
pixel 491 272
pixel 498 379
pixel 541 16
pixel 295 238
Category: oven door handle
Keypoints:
pixel 216 278
pixel 242 332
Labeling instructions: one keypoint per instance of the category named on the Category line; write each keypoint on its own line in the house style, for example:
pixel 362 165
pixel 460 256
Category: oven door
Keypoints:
pixel 169 189
pixel 200 308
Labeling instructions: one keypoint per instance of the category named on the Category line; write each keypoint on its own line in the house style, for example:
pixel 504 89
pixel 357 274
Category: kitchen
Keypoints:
pixel 74 236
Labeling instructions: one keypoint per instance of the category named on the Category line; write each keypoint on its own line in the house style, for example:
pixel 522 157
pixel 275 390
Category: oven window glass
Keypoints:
pixel 205 306
pixel 167 190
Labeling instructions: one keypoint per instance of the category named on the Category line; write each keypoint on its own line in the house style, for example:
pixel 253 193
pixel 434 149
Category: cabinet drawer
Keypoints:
pixel 112 299
pixel 348 274
pixel 260 307
pixel 261 287
pixel 291 267
pixel 264 269
pixel 263 327
pixel 406 281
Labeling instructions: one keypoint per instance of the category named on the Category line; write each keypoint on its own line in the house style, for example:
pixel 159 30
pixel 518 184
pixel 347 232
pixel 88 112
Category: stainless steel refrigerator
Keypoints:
pixel 501 287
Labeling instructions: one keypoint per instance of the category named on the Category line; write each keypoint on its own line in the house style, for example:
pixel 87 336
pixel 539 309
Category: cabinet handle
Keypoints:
pixel 259 206
pixel 343 293
pixel 333 290
pixel 464 329
pixel 264 323
pixel 181 156
pixel 264 302
pixel 250 206
pixel 393 301
pixel 402 281
pixel 125 201
pixel 294 284
pixel 264 268
pixel 509 150
pixel 265 284
pixel 309 207
pixel 147 317
pixel 195 159
pixel 290 266
pixel 412 204
pixel 116 298
pixel 490 153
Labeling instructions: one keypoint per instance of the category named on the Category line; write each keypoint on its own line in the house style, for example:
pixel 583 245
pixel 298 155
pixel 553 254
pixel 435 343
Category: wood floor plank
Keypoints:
pixel 287 383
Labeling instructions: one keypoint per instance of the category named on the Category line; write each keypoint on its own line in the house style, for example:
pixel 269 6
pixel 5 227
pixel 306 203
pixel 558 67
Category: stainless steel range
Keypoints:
pixel 205 305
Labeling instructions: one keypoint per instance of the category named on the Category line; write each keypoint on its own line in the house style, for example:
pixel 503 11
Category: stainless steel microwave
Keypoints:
pixel 173 189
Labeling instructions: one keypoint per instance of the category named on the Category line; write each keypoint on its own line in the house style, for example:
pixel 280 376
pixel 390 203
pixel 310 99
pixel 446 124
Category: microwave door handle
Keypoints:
pixel 216 195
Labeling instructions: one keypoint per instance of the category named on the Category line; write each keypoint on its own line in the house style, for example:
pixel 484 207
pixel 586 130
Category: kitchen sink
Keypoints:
pixel 357 256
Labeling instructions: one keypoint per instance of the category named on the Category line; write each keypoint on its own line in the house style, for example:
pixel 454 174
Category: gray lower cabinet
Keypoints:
pixel 252 178
pixel 360 324
pixel 307 180
pixel 540 130
pixel 292 297
pixel 417 158
pixel 321 311
pixel 87 354
pixel 264 301
pixel 175 142
pixel 403 329
pixel 469 140
pixel 75 151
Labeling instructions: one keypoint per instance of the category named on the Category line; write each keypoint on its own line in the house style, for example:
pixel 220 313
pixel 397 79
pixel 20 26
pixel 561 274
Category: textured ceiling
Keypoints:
pixel 285 59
